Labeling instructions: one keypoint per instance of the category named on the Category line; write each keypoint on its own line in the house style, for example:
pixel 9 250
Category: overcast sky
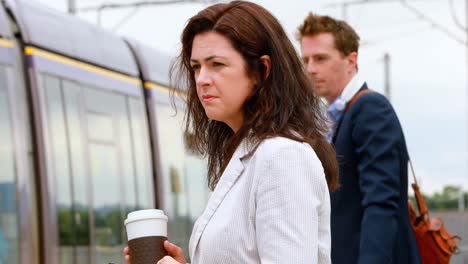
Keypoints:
pixel 428 64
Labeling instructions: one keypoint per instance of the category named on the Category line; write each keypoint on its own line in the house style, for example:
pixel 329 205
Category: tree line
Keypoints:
pixel 447 199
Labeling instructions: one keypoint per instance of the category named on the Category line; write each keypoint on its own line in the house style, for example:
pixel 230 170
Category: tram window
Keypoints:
pixel 142 154
pixel 106 173
pixel 59 168
pixel 100 126
pixel 172 156
pixel 99 167
pixel 121 175
pixel 197 185
pixel 8 207
pixel 184 174
pixel 128 167
pixel 73 101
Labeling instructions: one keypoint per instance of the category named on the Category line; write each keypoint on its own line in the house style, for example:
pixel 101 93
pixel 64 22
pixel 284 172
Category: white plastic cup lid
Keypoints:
pixel 144 223
pixel 145 214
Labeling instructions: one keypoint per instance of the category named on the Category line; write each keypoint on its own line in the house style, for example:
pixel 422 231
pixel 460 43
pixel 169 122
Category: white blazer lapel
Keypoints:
pixel 234 168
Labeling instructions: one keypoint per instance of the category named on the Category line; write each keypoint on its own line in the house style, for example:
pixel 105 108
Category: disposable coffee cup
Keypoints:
pixel 146 232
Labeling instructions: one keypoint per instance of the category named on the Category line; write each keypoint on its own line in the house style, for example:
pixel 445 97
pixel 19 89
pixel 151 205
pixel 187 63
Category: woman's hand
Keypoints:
pixel 175 254
pixel 168 260
pixel 127 255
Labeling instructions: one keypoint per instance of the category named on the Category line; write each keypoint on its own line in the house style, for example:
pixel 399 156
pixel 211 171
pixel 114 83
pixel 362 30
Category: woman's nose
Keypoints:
pixel 203 77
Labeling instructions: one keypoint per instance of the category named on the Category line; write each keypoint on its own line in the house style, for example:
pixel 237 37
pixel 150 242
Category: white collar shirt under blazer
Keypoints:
pixel 271 207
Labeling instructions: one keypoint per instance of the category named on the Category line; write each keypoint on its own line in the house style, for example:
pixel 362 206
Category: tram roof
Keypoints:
pixel 5 31
pixel 155 65
pixel 67 35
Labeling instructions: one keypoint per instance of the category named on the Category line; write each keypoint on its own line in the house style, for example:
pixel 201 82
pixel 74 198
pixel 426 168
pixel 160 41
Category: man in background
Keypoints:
pixel 369 212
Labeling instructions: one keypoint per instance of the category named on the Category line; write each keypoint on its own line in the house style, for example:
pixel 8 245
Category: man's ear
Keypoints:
pixel 265 59
pixel 352 60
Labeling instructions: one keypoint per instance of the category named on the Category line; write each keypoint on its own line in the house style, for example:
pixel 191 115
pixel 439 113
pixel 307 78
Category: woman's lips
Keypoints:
pixel 207 98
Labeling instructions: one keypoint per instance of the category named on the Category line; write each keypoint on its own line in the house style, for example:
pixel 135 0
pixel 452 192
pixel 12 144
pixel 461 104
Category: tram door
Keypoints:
pixel 99 168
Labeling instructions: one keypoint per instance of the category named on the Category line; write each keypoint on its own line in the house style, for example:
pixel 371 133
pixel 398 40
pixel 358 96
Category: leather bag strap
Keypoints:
pixel 356 96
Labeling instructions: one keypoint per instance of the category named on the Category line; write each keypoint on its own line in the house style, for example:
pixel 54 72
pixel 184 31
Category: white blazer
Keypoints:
pixel 271 207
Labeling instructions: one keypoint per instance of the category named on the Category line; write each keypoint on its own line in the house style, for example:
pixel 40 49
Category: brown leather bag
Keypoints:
pixel 436 245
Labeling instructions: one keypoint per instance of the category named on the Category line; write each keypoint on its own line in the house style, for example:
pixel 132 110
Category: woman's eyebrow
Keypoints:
pixel 208 58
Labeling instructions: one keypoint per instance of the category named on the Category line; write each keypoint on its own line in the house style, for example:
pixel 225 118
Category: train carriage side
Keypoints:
pixel 18 230
pixel 91 133
pixel 182 185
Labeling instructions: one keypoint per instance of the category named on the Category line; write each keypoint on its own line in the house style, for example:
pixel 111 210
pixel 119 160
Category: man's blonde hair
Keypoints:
pixel 346 39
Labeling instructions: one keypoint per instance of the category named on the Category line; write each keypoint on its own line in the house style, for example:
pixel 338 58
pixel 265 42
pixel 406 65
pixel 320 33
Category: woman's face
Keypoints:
pixel 221 78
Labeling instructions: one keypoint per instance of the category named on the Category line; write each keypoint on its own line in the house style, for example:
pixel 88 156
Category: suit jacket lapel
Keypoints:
pixel 233 170
pixel 364 86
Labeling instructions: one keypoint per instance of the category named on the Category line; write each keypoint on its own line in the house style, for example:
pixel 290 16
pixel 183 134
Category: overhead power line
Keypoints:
pixel 411 8
pixel 139 4
pixel 127 17
pixel 433 23
pixel 394 37
pixel 135 6
pixel 455 18
pixel 361 2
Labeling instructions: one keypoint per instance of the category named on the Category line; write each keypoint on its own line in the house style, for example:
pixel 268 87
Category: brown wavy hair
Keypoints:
pixel 283 102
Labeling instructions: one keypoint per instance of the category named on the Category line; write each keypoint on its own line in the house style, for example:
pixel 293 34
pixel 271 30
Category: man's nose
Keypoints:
pixel 311 68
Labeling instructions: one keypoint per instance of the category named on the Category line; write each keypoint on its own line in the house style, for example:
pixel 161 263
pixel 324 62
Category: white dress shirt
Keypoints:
pixel 271 207
pixel 336 108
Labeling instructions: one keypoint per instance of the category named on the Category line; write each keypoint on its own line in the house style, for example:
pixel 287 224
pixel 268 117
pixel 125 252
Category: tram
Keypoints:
pixel 87 134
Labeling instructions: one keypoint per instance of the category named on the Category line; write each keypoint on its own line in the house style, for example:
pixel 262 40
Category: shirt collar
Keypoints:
pixel 336 109
pixel 352 88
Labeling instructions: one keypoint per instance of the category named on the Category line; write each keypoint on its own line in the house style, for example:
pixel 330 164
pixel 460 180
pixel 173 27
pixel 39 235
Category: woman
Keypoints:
pixel 253 112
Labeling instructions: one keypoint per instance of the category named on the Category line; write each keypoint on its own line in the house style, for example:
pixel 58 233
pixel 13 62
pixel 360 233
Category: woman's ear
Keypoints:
pixel 265 59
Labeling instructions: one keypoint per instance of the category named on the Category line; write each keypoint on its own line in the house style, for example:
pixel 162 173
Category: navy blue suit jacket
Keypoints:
pixel 369 212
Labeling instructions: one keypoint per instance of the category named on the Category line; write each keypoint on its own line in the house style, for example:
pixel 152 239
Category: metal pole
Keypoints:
pixel 386 59
pixel 461 200
pixel 344 11
pixel 98 14
pixel 466 46
pixel 72 7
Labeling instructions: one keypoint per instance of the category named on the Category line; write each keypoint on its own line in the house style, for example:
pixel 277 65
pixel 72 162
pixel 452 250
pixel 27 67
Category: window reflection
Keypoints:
pixel 99 167
pixel 185 174
pixel 80 204
pixel 197 183
pixel 107 213
pixel 143 166
pixel 60 168
pixel 8 206
pixel 100 126
pixel 128 167
pixel 105 171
